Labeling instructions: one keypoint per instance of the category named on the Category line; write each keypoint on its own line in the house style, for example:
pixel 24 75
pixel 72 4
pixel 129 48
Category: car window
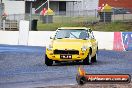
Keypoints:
pixel 76 33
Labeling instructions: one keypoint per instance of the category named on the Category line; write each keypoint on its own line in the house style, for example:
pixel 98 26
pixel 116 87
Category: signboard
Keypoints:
pixel 122 41
pixel 127 40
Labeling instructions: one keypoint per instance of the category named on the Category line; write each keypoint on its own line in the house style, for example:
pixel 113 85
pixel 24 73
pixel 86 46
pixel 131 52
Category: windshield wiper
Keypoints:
pixel 62 38
pixel 84 39
pixel 59 38
pixel 66 37
pixel 73 35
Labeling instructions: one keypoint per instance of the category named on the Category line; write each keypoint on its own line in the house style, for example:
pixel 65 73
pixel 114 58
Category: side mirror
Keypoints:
pixel 90 30
pixel 51 37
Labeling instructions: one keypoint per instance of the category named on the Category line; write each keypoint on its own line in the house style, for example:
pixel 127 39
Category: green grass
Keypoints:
pixel 54 26
pixel 66 19
pixel 112 27
pixel 63 21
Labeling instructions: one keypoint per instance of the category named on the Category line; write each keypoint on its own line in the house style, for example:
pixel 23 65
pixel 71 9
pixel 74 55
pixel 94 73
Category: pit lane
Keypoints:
pixel 23 67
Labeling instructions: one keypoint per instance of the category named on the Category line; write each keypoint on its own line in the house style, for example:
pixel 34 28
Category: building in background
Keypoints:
pixel 14 6
pixel 73 5
pixel 14 9
pixel 117 3
pixel 23 6
pixel 78 11
pixel 119 6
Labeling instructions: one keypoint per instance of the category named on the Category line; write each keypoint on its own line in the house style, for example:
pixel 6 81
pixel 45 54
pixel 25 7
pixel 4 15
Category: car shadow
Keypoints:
pixel 98 63
pixel 70 64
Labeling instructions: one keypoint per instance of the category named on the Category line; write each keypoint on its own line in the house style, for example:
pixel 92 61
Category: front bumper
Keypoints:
pixel 75 57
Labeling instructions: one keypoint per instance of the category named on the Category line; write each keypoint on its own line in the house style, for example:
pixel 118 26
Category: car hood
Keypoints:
pixel 68 43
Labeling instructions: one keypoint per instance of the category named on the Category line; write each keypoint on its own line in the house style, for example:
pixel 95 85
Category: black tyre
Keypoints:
pixel 87 60
pixel 57 61
pixel 94 59
pixel 48 61
pixel 77 61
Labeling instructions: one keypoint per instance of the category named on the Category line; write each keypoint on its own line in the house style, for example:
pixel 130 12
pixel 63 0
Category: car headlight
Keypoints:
pixel 84 48
pixel 50 47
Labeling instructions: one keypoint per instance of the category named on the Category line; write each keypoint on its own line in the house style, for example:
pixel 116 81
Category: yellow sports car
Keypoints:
pixel 72 44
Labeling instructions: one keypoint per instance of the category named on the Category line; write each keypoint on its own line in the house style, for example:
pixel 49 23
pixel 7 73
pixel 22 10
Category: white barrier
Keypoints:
pixel 9 37
pixel 105 39
pixel 42 38
pixel 39 38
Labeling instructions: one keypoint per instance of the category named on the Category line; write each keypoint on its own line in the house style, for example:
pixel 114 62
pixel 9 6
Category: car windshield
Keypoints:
pixel 70 33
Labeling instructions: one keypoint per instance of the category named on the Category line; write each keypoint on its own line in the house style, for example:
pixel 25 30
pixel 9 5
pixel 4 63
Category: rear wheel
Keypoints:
pixel 87 60
pixel 48 61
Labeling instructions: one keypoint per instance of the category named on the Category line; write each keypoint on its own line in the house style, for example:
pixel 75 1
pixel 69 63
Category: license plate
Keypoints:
pixel 66 56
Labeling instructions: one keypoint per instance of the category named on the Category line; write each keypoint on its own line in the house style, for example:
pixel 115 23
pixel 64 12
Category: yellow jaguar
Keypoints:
pixel 72 44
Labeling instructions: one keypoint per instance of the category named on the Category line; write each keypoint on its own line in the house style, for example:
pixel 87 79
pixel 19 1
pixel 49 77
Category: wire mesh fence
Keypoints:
pixel 67 16
pixel 76 17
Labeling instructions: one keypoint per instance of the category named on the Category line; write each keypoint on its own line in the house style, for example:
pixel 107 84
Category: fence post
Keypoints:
pixel 104 17
pixel 123 17
pixel 1 12
pixel 3 25
pixel 61 19
pixel 10 25
pixel 14 16
pixel 95 14
pixel 30 16
pixel 113 16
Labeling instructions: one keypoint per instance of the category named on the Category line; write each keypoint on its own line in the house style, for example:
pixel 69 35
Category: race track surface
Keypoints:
pixel 23 67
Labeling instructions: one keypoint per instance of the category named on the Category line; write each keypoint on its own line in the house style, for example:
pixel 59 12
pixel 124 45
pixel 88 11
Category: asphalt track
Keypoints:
pixel 23 67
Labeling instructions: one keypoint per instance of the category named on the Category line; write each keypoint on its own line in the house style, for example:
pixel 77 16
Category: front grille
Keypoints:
pixel 66 52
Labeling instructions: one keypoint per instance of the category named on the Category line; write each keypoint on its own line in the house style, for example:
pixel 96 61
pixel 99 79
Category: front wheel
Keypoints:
pixel 57 62
pixel 87 60
pixel 94 59
pixel 48 61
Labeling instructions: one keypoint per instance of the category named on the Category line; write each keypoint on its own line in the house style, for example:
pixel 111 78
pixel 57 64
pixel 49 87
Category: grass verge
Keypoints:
pixel 111 27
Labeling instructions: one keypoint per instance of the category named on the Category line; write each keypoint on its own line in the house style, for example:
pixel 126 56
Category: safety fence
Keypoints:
pixel 75 18
pixel 85 15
